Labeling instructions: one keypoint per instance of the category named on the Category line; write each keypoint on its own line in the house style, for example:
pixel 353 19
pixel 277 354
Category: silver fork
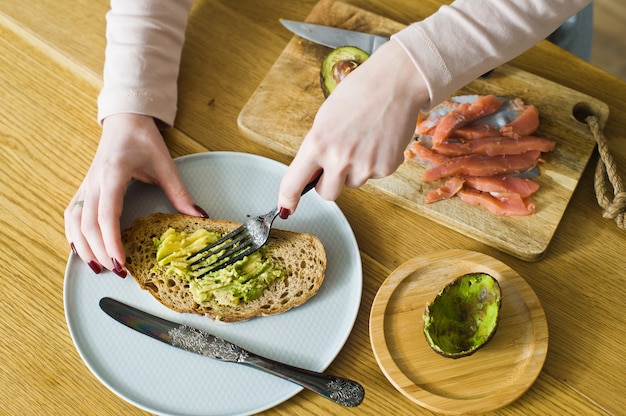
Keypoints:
pixel 239 243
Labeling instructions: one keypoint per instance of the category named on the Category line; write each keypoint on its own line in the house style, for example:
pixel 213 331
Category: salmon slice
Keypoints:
pixel 509 204
pixel 445 191
pixel 502 184
pixel 417 151
pixel 482 165
pixel 464 114
pixel 427 122
pixel 473 131
pixel 525 124
pixel 495 146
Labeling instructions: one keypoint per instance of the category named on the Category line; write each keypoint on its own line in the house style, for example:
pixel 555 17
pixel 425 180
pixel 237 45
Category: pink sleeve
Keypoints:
pixel 144 44
pixel 462 41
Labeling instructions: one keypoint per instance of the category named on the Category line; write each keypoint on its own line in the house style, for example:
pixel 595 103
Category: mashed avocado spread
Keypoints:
pixel 243 281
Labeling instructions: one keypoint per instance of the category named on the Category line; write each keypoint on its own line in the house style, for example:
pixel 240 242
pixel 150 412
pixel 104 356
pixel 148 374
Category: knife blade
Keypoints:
pixel 340 390
pixel 333 37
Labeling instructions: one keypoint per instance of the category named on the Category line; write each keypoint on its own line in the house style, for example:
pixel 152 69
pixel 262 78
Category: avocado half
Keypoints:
pixel 338 64
pixel 464 315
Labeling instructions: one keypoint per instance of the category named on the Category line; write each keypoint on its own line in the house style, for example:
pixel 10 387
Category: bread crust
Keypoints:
pixel 301 255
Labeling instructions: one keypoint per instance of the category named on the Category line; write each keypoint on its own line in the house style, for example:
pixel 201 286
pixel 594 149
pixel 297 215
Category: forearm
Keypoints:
pixel 144 44
pixel 462 41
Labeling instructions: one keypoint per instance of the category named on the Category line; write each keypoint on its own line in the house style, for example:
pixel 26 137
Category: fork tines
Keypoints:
pixel 229 249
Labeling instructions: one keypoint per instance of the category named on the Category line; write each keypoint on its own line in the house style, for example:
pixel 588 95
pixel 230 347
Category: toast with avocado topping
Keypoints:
pixel 283 274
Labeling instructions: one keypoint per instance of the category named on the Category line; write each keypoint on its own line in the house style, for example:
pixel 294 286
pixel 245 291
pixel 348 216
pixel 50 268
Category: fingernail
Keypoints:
pixel 202 212
pixel 284 213
pixel 117 268
pixel 73 248
pixel 95 266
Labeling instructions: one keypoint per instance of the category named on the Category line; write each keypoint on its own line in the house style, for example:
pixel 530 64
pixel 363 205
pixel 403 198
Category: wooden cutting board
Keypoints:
pixel 282 109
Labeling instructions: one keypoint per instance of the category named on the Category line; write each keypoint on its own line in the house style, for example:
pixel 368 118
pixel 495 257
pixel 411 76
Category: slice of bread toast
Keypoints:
pixel 301 255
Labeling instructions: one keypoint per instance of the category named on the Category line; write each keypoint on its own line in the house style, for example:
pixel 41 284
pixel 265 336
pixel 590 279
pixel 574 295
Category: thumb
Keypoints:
pixel 292 187
pixel 177 193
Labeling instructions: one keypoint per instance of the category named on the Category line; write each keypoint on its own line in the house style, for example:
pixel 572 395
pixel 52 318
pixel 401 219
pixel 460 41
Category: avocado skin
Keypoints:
pixel 464 315
pixel 341 55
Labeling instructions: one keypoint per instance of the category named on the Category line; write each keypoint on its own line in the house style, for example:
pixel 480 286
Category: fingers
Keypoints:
pixel 289 193
pixel 92 218
pixel 107 224
pixel 301 172
pixel 169 180
pixel 78 243
pixel 92 228
pixel 131 147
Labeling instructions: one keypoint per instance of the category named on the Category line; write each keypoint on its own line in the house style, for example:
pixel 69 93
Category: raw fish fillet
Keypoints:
pixel 509 204
pixel 419 152
pixel 464 114
pixel 482 165
pixel 483 147
pixel 445 191
pixel 495 146
pixel 475 131
pixel 525 124
pixel 502 184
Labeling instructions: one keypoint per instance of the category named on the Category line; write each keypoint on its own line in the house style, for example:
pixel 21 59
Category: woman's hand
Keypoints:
pixel 361 130
pixel 131 147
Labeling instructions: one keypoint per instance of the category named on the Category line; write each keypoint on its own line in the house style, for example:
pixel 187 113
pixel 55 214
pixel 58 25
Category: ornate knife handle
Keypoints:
pixel 340 390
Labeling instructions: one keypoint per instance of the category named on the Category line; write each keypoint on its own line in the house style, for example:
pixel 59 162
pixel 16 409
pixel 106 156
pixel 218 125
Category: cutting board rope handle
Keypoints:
pixel 613 201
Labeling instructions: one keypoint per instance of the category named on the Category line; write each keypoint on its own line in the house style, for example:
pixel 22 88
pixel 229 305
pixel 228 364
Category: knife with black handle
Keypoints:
pixel 340 390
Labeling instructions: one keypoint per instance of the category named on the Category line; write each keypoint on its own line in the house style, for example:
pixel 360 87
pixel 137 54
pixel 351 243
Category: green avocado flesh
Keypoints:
pixel 338 64
pixel 463 316
pixel 243 281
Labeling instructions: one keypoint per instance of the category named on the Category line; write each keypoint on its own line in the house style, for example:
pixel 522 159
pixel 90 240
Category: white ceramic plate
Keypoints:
pixel 164 380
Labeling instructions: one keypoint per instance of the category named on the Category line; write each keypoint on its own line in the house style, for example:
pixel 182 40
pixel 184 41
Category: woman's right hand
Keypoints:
pixel 131 147
pixel 361 130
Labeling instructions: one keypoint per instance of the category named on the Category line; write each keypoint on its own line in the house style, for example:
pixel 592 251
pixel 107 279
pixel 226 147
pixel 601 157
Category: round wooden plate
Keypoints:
pixel 491 378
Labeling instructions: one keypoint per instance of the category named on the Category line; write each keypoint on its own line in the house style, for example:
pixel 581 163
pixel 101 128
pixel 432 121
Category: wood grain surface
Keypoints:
pixel 51 62
pixel 493 376
pixel 281 111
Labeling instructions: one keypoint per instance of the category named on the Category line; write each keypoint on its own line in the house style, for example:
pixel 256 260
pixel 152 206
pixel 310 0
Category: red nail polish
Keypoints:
pixel 202 212
pixel 284 213
pixel 73 248
pixel 95 266
pixel 117 268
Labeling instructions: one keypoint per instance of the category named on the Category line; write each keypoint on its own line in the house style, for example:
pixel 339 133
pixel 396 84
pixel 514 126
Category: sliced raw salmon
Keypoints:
pixel 427 122
pixel 475 131
pixel 525 124
pixel 502 184
pixel 445 191
pixel 495 146
pixel 417 151
pixel 510 204
pixel 464 114
pixel 482 165
pixel 476 143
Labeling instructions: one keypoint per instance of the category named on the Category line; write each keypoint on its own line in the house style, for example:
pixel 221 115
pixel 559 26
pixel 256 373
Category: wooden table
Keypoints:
pixel 51 57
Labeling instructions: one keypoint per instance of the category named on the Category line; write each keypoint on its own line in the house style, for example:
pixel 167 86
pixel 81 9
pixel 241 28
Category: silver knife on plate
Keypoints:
pixel 340 390
pixel 333 37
